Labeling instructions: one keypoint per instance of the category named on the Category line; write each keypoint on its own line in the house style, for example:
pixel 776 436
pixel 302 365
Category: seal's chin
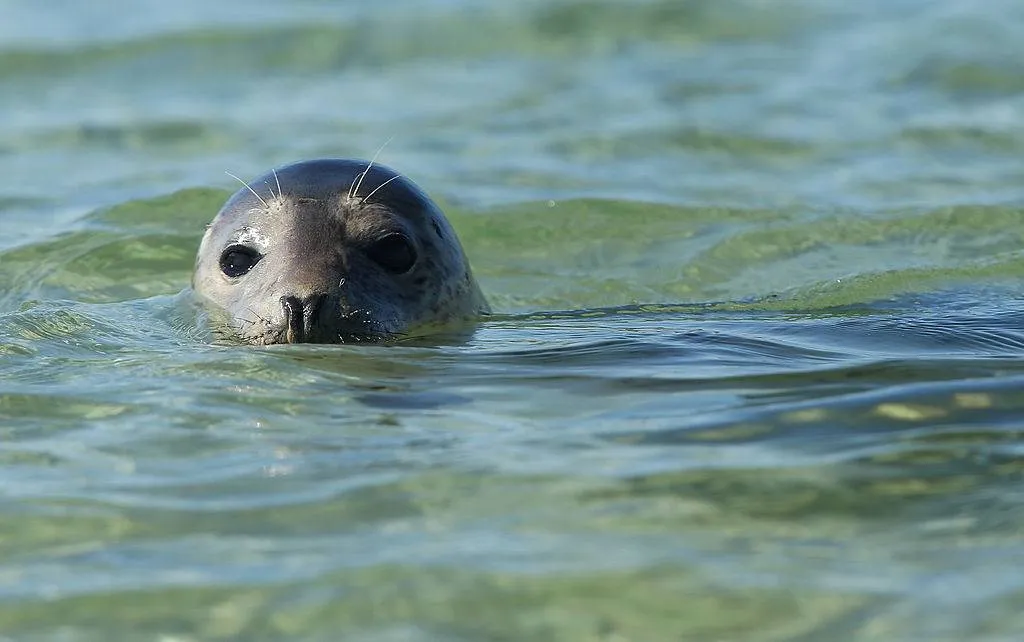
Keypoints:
pixel 319 318
pixel 285 334
pixel 314 319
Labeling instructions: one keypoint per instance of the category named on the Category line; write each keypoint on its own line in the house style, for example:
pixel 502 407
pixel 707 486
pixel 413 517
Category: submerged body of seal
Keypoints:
pixel 334 251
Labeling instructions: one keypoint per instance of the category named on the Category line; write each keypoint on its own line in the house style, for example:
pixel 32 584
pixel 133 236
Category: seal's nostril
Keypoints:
pixel 301 316
pixel 311 310
pixel 294 319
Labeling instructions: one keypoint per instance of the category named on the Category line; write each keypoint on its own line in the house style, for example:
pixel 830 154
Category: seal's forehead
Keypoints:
pixel 320 179
pixel 335 188
pixel 334 180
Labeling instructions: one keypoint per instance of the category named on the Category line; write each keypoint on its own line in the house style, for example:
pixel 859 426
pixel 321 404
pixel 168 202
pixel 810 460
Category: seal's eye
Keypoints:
pixel 393 252
pixel 237 260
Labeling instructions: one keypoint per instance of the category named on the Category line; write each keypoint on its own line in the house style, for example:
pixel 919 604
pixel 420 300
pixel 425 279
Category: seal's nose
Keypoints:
pixel 300 315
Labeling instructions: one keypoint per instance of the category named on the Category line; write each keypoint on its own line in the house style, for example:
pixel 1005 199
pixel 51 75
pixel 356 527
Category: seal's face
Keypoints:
pixel 328 251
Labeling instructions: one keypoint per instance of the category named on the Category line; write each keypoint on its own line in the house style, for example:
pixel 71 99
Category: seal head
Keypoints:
pixel 334 251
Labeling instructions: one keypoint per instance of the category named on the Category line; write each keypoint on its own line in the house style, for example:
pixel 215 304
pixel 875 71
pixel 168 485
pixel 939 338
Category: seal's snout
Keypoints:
pixel 300 316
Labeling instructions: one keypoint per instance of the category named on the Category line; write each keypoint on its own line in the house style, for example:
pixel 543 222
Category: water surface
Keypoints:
pixel 755 372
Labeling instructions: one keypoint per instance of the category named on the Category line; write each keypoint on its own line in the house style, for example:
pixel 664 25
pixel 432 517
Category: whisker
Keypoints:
pixel 280 192
pixel 353 191
pixel 257 315
pixel 367 197
pixel 248 187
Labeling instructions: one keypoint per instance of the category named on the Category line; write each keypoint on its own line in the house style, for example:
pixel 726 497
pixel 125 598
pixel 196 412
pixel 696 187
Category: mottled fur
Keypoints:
pixel 312 234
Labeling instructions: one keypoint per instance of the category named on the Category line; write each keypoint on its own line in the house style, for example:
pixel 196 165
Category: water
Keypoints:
pixel 756 372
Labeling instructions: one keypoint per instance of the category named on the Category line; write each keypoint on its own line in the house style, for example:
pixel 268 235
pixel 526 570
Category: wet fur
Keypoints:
pixel 312 233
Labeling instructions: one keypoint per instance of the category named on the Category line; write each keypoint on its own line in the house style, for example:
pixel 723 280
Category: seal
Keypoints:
pixel 334 251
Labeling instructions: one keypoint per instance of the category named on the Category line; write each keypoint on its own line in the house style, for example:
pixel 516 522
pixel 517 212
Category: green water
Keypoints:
pixel 756 372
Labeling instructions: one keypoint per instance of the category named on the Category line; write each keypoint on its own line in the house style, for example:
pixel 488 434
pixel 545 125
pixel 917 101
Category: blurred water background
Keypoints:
pixel 756 373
